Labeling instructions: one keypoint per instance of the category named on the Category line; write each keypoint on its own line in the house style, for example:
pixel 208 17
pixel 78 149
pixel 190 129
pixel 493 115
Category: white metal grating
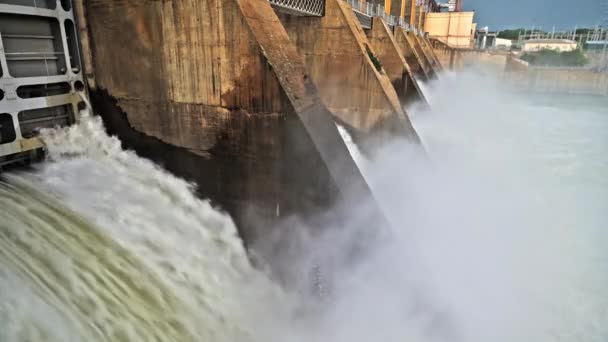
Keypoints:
pixel 300 7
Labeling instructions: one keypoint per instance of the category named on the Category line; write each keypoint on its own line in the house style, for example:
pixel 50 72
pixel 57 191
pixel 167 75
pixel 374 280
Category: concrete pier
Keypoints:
pixel 338 57
pixel 216 91
pixel 397 69
pixel 448 56
pixel 411 55
pixel 424 58
pixel 428 50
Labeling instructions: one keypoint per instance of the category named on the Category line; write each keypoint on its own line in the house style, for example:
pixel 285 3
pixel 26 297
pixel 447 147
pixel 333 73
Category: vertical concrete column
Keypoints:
pixel 394 8
pixel 452 59
pixel 397 69
pixel 403 6
pixel 412 13
pixel 387 6
pixel 419 21
pixel 347 71
pixel 85 43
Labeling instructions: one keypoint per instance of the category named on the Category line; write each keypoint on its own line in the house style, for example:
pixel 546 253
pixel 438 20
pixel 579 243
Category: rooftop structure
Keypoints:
pixel 454 28
pixel 562 45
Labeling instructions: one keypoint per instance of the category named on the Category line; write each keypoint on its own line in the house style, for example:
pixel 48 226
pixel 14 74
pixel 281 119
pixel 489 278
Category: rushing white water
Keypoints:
pixel 100 245
pixel 353 149
pixel 503 237
pixel 500 238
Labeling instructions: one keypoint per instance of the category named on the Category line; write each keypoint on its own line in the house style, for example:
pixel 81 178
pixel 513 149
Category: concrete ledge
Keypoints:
pixel 397 69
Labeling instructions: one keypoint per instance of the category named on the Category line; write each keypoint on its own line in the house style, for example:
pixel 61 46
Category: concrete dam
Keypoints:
pixel 190 161
pixel 241 97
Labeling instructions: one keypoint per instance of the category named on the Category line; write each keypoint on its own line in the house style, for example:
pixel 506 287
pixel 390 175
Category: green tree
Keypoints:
pixel 510 34
pixel 549 57
pixel 583 30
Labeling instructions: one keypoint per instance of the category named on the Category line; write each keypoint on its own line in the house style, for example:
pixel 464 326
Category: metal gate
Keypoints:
pixel 40 72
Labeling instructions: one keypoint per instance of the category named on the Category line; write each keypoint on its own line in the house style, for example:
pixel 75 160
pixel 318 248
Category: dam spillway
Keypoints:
pixel 241 99
pixel 247 112
pixel 98 243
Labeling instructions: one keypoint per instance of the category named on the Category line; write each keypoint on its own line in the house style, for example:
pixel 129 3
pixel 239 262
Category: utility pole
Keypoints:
pixel 602 38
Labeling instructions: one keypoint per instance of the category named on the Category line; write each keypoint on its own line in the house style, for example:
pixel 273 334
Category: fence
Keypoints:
pixel 363 10
pixel 366 11
pixel 300 7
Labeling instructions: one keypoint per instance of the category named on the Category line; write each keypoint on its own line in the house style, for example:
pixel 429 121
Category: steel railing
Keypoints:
pixel 300 7
pixel 366 11
pixel 363 10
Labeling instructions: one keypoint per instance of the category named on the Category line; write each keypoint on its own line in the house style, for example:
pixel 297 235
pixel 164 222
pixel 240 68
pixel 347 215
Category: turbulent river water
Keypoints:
pixel 501 237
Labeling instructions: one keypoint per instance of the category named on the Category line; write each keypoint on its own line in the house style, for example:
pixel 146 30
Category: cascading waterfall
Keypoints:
pixel 100 245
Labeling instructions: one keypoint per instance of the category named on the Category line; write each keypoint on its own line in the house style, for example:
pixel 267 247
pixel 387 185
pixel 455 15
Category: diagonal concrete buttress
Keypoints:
pixel 426 46
pixel 396 67
pixel 420 41
pixel 426 60
pixel 216 92
pixel 411 55
pixel 338 57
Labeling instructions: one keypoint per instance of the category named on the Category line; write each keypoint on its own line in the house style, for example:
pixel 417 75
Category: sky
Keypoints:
pixel 563 14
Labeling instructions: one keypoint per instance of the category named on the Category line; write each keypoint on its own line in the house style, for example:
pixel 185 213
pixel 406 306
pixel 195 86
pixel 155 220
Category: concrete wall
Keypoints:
pixel 555 80
pixel 459 58
pixel 183 70
pixel 454 28
pixel 490 60
pixel 337 56
pixel 216 92
pixel 513 64
pixel 399 72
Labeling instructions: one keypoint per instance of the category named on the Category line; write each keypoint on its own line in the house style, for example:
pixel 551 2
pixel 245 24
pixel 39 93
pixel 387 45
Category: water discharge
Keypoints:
pixel 100 245
pixel 499 238
pixel 502 236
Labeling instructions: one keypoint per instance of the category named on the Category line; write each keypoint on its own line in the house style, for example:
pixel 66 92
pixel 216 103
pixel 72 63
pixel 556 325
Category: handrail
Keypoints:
pixel 366 11
pixel 314 8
